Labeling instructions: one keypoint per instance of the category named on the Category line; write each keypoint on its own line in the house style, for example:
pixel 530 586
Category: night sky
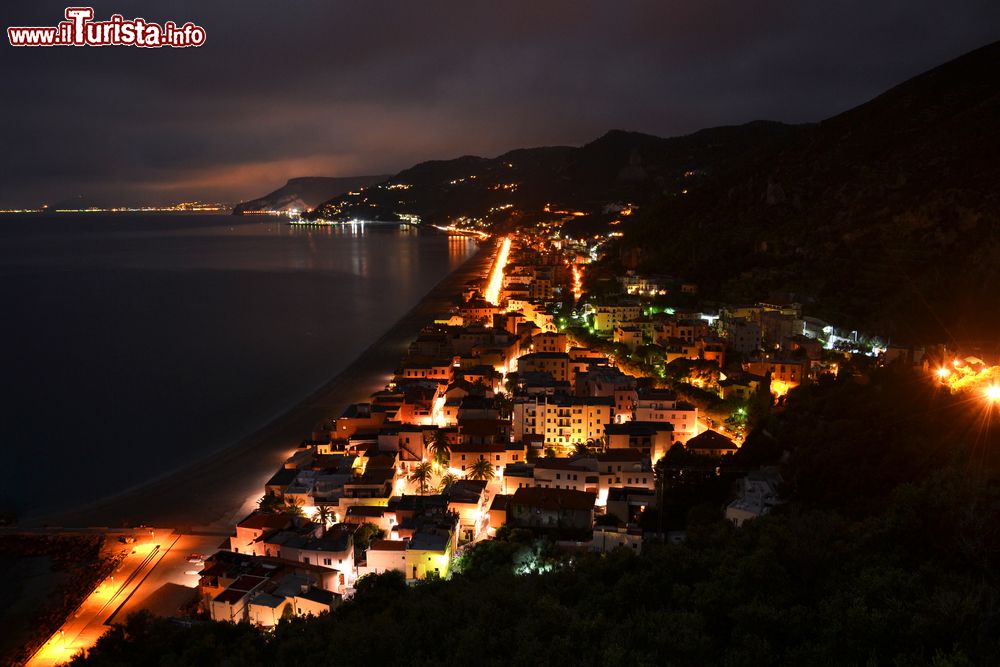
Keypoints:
pixel 325 87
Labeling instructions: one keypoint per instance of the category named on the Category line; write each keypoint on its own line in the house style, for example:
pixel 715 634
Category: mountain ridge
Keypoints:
pixel 892 202
pixel 305 192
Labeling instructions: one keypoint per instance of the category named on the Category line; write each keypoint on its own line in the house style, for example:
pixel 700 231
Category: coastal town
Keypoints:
pixel 530 407
pixel 549 405
pixel 612 334
pixel 500 417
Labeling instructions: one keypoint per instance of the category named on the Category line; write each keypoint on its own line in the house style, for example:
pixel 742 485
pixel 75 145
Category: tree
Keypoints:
pixel 325 515
pixel 505 405
pixel 699 372
pixel 365 533
pixel 447 480
pixel 392 582
pixel 759 405
pixel 421 476
pixel 270 504
pixel 510 383
pixel 737 419
pixel 648 354
pixel 440 449
pixel 481 470
pixel 292 507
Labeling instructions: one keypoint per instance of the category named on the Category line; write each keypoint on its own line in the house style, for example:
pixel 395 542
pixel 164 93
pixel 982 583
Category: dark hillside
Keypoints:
pixel 885 216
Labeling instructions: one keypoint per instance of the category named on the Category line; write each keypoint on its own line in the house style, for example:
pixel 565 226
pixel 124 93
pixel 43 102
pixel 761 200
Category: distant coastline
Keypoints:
pixel 210 495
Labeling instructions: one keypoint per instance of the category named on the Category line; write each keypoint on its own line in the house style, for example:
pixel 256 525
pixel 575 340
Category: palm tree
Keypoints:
pixel 421 475
pixel 581 448
pixel 481 469
pixel 447 480
pixel 292 507
pixel 505 405
pixel 440 448
pixel 325 515
pixel 270 504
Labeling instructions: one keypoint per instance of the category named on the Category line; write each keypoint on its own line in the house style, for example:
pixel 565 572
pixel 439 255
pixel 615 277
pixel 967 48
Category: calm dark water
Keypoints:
pixel 133 344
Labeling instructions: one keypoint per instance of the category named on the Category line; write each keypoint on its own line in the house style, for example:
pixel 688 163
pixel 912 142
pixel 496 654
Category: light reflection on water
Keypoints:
pixel 136 342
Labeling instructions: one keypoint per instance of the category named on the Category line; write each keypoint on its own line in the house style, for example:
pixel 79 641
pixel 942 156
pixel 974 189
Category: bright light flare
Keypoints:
pixel 779 387
pixel 984 381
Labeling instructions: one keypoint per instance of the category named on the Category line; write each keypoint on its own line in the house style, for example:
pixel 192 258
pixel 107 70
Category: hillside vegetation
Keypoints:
pixel 883 553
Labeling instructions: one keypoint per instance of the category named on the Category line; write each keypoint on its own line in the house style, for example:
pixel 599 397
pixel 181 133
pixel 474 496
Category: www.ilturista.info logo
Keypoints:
pixel 80 30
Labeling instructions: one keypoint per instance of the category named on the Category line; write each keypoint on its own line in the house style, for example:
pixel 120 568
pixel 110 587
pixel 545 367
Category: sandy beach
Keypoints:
pixel 212 494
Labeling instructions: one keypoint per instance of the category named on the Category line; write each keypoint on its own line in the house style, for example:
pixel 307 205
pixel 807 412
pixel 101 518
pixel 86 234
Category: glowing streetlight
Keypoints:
pixel 993 393
pixel 943 372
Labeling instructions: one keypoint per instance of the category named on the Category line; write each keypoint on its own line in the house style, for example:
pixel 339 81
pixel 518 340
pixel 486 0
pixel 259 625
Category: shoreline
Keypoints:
pixel 212 494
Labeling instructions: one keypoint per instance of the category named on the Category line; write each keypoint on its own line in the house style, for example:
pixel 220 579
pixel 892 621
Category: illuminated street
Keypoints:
pixel 89 622
pixel 495 283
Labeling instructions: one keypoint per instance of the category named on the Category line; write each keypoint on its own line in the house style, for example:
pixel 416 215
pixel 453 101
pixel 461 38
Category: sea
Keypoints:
pixel 135 343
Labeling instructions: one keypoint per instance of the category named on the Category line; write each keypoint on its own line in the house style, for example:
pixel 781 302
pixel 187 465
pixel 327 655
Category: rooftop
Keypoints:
pixel 500 502
pixel 429 542
pixel 553 499
pixel 266 600
pixel 261 521
pixel 711 440
pixel 283 477
pixel 466 491
pixel 373 511
pixel 387 545
pixel 318 595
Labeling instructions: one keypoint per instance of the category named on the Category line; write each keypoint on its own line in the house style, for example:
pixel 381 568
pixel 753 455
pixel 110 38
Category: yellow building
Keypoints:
pixel 428 555
pixel 564 421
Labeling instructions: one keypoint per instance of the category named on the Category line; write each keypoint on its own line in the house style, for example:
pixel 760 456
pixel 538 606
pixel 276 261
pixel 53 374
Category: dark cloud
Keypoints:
pixel 331 87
